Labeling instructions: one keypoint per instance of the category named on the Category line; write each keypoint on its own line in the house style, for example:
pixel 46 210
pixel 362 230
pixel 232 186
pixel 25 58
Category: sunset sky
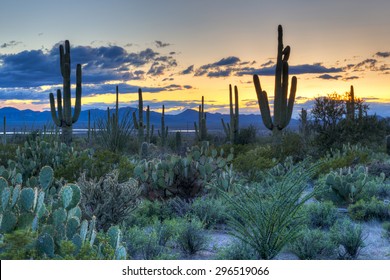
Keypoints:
pixel 178 50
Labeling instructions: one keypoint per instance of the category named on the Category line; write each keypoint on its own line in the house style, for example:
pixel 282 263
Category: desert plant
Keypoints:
pixel 191 236
pixel 201 128
pixel 282 107
pixel 232 129
pixel 350 238
pixel 237 250
pixel 267 219
pixel 108 200
pixel 321 215
pixel 63 116
pixel 313 244
pixel 367 210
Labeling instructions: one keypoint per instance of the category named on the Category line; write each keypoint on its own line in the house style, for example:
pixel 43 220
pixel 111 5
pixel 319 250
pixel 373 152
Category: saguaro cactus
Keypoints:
pixel 232 129
pixel 350 104
pixel 201 132
pixel 63 117
pixel 283 106
pixel 139 124
pixel 4 130
pixel 164 129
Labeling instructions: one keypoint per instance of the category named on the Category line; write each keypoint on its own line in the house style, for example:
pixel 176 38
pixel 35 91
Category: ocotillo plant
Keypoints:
pixel 63 117
pixel 282 107
pixel 350 104
pixel 201 132
pixel 164 129
pixel 232 129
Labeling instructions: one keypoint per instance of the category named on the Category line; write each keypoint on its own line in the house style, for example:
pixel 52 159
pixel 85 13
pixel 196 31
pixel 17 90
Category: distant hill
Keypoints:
pixel 31 120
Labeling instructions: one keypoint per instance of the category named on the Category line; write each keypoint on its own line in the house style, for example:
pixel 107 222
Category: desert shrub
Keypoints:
pixel 255 160
pixel 349 237
pixel 113 134
pixel 367 210
pixel 313 244
pixel 7 152
pixel 292 145
pixel 320 215
pixel 191 236
pixel 247 135
pixel 151 242
pixel 108 200
pixel 267 219
pixel 210 211
pixel 376 168
pixel 386 228
pixel 348 155
pixel 236 250
pixel 18 245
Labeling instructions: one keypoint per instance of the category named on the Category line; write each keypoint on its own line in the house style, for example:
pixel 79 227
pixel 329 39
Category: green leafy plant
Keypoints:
pixel 192 236
pixel 366 210
pixel 350 238
pixel 313 244
pixel 321 215
pixel 267 219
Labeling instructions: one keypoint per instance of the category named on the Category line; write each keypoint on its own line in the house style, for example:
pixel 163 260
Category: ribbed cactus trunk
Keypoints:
pixel 139 124
pixel 163 134
pixel 201 131
pixel 350 104
pixel 232 129
pixel 63 117
pixel 283 104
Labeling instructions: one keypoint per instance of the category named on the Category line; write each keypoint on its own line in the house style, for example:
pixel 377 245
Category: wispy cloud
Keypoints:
pixel 383 54
pixel 329 77
pixel 160 44
pixel 10 44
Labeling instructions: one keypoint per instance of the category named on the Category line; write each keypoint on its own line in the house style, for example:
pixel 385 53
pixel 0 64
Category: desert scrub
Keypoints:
pixel 191 237
pixel 108 200
pixel 236 250
pixel 349 237
pixel 367 210
pixel 268 218
pixel 210 211
pixel 320 215
pixel 313 244
pixel 18 245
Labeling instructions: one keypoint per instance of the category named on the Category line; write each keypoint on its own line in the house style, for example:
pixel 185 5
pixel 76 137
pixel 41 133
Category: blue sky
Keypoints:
pixel 178 51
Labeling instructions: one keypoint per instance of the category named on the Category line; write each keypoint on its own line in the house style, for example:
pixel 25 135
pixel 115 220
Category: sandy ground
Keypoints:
pixel 377 247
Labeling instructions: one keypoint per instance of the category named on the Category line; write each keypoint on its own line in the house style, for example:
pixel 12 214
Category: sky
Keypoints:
pixel 178 51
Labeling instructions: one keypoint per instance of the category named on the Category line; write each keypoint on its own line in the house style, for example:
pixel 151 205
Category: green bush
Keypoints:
pixel 367 210
pixel 267 219
pixel 321 215
pixel 191 236
pixel 313 244
pixel 237 250
pixel 350 238
pixel 210 211
pixel 18 245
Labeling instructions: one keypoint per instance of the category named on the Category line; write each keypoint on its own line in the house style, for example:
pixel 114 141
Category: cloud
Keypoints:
pixel 10 44
pixel 188 70
pixel 383 54
pixel 220 68
pixel 160 44
pixel 316 68
pixel 351 78
pixel 221 73
pixel 269 63
pixel 329 77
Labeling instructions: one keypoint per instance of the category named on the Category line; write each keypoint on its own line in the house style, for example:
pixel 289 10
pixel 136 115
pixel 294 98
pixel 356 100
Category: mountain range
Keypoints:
pixel 31 120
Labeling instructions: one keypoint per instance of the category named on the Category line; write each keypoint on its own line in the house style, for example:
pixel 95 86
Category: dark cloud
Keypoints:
pixel 221 73
pixel 269 63
pixel 10 44
pixel 329 77
pixel 351 78
pixel 316 68
pixel 160 44
pixel 383 54
pixel 189 70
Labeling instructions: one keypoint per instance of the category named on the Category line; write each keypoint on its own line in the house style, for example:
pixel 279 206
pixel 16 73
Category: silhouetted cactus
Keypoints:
pixel 163 134
pixel 350 104
pixel 63 116
pixel 201 131
pixel 232 129
pixel 282 107
pixel 4 130
pixel 139 124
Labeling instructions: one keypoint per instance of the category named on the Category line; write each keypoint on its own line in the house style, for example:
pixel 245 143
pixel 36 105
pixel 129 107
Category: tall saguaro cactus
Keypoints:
pixel 163 134
pixel 63 116
pixel 139 124
pixel 201 132
pixel 232 129
pixel 350 104
pixel 283 104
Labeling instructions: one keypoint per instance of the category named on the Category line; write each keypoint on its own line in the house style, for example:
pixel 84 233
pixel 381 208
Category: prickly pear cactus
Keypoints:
pixel 27 197
pixel 46 176
pixel 45 245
